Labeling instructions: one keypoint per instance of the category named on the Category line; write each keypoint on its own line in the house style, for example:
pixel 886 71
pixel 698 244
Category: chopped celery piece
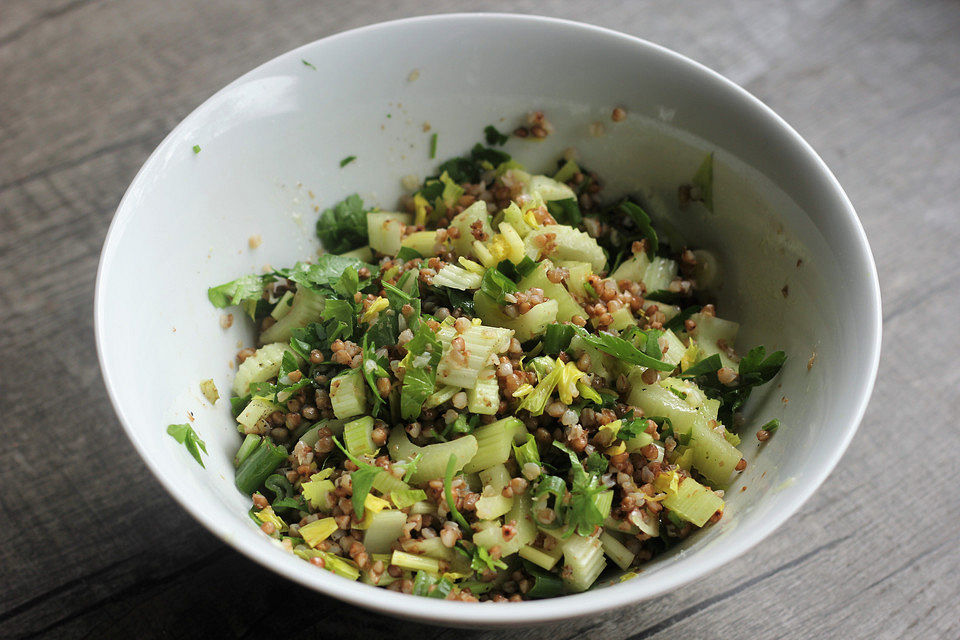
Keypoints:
pixel 250 443
pixel 675 348
pixel 526 529
pixel 319 493
pixel 384 529
pixel 253 471
pixel 645 522
pixel 638 442
pixel 709 333
pixel 283 305
pixel 493 444
pixel 632 269
pixel 456 277
pixel 317 531
pixel 439 397
pixel 480 343
pixel 386 483
pixel 267 514
pixel 497 477
pixel 484 398
pixel 536 401
pixel 582 561
pixel 621 556
pixel 348 394
pixel 492 507
pixel 659 273
pixel 578 276
pixel 531 324
pixel 567 171
pixel 656 400
pixel 476 212
pixel 423 242
pixel 433 457
pixel 385 231
pixel 690 500
pixel 311 436
pixel 407 497
pixel 549 188
pixel 333 563
pixel 357 436
pixel 307 307
pixel 561 242
pixel 540 557
pixel 713 456
pixel 415 563
pixel 255 413
pixel 260 367
pixel 430 548
pixel 527 452
pixel 567 306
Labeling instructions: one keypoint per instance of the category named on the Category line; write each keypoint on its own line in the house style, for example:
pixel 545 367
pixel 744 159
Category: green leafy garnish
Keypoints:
pixel 755 369
pixel 623 350
pixel 676 323
pixel 642 220
pixel 496 285
pixel 406 253
pixel 557 338
pixel 430 586
pixel 185 435
pixel 703 181
pixel 545 584
pixel 411 467
pixel 361 480
pixel 565 211
pixel 470 168
pixel 347 161
pixel 344 226
pixel 480 560
pixel 419 380
pixel 246 291
pixel 308 64
pixel 433 146
pixel 448 494
pixel 582 514
pixel 494 137
pixel 326 272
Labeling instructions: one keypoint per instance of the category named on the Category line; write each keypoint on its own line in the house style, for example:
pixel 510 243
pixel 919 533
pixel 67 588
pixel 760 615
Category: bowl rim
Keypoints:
pixel 529 612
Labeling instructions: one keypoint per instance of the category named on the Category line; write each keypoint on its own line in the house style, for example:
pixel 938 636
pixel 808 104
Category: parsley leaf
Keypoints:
pixel 676 322
pixel 361 480
pixel 623 350
pixel 470 168
pixel 347 161
pixel 481 561
pixel 557 338
pixel 756 368
pixel 245 290
pixel 430 586
pixel 344 226
pixel 642 220
pixel 308 64
pixel 185 435
pixel 406 254
pixel 494 137
pixel 326 272
pixel 495 284
pixel 419 380
pixel 582 514
pixel 565 211
pixel 373 367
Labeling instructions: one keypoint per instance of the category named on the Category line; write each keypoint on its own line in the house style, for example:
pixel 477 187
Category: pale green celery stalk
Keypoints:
pixel 283 305
pixel 440 396
pixel 357 436
pixel 433 457
pixel 526 529
pixel 415 563
pixel 250 443
pixel 497 477
pixel 713 456
pixel 484 398
pixel 693 502
pixel 492 507
pixel 348 394
pixel 429 547
pixel 582 561
pixel 385 528
pixel 621 556
pixel 493 444
pixel 260 367
pixel 307 307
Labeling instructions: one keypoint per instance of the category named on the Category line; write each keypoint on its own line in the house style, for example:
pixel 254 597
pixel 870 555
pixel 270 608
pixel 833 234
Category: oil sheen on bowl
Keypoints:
pixel 271 144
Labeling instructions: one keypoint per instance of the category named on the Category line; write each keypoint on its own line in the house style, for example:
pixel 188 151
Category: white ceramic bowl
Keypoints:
pixel 271 143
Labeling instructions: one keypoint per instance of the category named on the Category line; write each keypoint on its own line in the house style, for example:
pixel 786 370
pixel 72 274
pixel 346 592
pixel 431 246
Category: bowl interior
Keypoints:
pixel 271 144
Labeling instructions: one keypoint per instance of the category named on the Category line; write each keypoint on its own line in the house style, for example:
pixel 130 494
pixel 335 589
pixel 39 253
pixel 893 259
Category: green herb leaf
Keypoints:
pixel 344 226
pixel 676 323
pixel 494 137
pixel 557 338
pixel 326 272
pixel 185 435
pixel 565 211
pixel 433 146
pixel 430 586
pixel 582 514
pixel 470 168
pixel 496 285
pixel 703 182
pixel 419 380
pixel 706 366
pixel 308 64
pixel 448 494
pixel 361 480
pixel 622 350
pixel 245 290
pixel 642 220
pixel 545 584
pixel 411 467
pixel 406 254
pixel 481 561
pixel 347 161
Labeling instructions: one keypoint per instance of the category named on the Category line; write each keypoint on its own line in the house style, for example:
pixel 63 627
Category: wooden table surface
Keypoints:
pixel 91 546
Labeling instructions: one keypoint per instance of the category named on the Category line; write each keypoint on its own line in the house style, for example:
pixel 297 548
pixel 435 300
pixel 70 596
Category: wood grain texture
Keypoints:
pixel 93 547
